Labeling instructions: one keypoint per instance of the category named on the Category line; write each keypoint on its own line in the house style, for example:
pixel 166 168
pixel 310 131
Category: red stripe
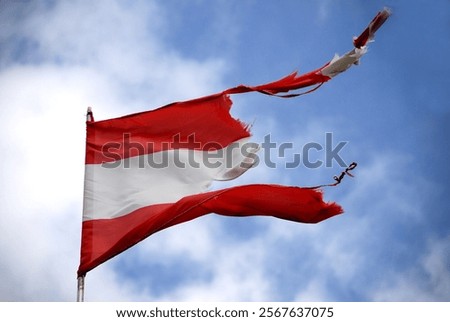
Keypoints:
pixel 201 124
pixel 374 25
pixel 104 239
pixel 288 83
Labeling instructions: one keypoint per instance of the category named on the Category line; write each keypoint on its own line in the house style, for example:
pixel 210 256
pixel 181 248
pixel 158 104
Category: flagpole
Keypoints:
pixel 80 291
pixel 80 286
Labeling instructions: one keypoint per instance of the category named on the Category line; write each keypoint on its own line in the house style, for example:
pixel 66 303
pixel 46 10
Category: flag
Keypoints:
pixel 148 171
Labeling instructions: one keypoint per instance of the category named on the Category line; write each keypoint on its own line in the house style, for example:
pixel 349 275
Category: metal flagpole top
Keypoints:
pixel 89 115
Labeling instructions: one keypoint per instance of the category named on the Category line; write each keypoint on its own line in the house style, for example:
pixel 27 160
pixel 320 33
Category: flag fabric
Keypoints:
pixel 148 171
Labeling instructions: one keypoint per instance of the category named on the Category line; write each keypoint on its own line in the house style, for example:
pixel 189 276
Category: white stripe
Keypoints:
pixel 116 189
pixel 340 64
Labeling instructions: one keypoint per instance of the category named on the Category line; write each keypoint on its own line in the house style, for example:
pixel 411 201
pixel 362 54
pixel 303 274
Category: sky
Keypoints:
pixel 121 57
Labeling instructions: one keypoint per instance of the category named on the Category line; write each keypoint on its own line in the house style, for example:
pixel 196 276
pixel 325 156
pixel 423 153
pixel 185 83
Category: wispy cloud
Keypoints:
pixel 83 54
pixel 56 59
pixel 428 280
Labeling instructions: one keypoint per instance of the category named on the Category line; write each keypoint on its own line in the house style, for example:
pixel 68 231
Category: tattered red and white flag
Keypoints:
pixel 149 171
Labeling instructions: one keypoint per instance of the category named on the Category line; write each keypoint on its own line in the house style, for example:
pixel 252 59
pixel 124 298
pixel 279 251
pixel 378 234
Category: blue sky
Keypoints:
pixel 392 243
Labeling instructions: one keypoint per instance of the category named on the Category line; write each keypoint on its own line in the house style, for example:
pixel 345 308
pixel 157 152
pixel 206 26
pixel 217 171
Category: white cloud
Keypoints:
pixel 237 275
pixel 354 254
pixel 427 281
pixel 316 291
pixel 113 57
pixel 324 10
pixel 94 54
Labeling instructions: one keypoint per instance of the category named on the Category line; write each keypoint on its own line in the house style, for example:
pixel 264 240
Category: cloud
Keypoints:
pixel 57 59
pixel 324 10
pixel 73 55
pixel 429 280
pixel 365 253
pixel 237 274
